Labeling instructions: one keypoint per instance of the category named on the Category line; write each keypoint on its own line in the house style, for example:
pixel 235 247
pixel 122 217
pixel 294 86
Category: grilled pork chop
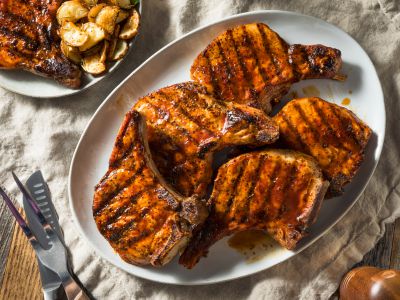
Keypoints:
pixel 253 65
pixel 28 40
pixel 142 218
pixel 333 135
pixel 186 125
pixel 278 191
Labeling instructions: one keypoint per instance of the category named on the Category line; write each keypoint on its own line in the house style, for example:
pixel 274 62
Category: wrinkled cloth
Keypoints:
pixel 37 133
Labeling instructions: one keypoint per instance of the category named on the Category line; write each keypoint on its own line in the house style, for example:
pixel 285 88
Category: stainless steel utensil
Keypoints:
pixel 55 257
pixel 37 187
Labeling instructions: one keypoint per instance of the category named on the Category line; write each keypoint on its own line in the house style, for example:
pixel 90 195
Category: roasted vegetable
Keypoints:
pixel 72 53
pixel 73 35
pixel 130 29
pixel 95 34
pixel 71 11
pixel 120 51
pixel 94 11
pixel 93 65
pixel 107 18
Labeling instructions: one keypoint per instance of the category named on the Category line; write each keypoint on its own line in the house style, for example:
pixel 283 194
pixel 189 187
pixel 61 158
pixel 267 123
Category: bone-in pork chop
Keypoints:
pixel 332 134
pixel 277 191
pixel 143 219
pixel 253 65
pixel 29 41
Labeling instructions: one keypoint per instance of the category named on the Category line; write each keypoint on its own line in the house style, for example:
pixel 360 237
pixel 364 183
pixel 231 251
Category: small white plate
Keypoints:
pixel 26 83
pixel 171 65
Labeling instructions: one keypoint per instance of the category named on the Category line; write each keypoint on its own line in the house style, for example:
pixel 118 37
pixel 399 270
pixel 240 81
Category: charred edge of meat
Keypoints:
pixel 323 61
pixel 61 69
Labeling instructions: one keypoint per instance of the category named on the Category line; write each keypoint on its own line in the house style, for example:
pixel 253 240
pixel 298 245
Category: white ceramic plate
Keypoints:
pixel 26 83
pixel 171 65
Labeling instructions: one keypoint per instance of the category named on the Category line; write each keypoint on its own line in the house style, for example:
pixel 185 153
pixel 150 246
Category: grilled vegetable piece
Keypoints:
pixel 277 191
pixel 120 50
pixel 107 18
pixel 253 65
pixel 143 219
pixel 71 11
pixel 95 35
pixel 131 27
pixel 332 134
pixel 186 125
pixel 93 64
pixel 29 41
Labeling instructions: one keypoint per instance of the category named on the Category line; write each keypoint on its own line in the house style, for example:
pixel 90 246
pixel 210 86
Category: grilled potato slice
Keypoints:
pixel 93 65
pixel 122 15
pixel 71 11
pixel 130 29
pixel 94 11
pixel 95 35
pixel 73 35
pixel 107 18
pixel 72 53
pixel 120 51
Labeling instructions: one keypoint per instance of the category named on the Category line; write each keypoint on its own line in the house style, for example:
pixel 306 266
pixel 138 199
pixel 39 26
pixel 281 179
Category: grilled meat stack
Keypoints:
pixel 239 76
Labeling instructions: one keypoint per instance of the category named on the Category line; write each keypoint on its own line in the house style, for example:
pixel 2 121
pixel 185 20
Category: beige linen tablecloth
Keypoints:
pixel 43 134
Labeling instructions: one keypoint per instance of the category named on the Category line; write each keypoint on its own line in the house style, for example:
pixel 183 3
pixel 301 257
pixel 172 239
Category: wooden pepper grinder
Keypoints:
pixel 369 283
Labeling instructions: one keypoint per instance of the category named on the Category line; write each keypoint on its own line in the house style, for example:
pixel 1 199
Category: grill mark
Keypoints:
pixel 140 237
pixel 145 234
pixel 116 236
pixel 345 123
pixel 304 118
pixel 172 123
pixel 316 136
pixel 201 103
pixel 292 178
pixel 268 51
pixel 121 210
pixel 29 44
pixel 295 133
pixel 119 144
pixel 107 199
pixel 324 119
pixel 231 75
pixel 187 114
pixel 12 18
pixel 234 190
pixel 246 75
pixel 22 22
pixel 216 89
pixel 250 193
pixel 249 44
pixel 272 182
pixel 120 233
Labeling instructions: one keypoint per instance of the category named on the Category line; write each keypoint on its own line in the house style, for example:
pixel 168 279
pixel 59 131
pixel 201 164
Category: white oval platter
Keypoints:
pixel 171 65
